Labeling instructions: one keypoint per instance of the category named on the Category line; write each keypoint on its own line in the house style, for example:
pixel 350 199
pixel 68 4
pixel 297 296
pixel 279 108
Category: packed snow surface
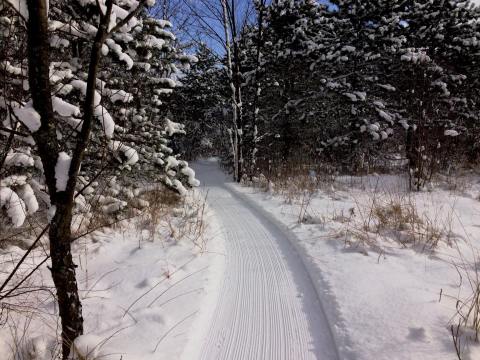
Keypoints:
pixel 145 292
pixel 266 284
pixel 268 307
pixel 386 300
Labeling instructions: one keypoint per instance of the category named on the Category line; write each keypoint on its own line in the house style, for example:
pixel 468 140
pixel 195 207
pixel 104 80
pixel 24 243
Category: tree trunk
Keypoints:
pixel 63 268
pixel 235 142
pixel 239 107
pixel 63 274
pixel 411 154
pixel 256 99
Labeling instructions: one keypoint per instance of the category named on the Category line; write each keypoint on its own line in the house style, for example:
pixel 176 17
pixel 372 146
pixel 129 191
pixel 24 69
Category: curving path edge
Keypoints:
pixel 267 307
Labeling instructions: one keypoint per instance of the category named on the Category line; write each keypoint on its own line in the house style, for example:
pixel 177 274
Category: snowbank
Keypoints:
pixel 145 293
pixel 390 302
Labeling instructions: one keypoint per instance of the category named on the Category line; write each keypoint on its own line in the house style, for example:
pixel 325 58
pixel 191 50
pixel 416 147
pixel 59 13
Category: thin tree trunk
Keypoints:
pixel 63 274
pixel 239 106
pixel 237 81
pixel 236 160
pixel 63 268
pixel 411 156
pixel 256 109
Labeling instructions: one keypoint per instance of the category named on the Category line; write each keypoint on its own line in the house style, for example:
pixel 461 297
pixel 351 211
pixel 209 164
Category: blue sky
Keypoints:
pixel 216 45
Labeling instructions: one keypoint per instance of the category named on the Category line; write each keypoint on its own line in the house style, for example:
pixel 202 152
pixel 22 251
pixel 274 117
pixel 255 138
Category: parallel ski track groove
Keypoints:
pixel 260 314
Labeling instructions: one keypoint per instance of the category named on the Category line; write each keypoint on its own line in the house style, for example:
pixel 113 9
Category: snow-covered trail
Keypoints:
pixel 267 307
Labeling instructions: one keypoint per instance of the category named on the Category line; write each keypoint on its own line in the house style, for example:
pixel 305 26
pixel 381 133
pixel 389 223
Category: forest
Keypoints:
pixel 140 139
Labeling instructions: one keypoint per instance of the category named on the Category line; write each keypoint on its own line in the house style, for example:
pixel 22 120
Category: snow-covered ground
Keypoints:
pixel 384 299
pixel 309 275
pixel 267 308
pixel 142 292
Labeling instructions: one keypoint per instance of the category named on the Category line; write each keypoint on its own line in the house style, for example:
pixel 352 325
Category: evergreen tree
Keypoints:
pixel 83 101
pixel 198 103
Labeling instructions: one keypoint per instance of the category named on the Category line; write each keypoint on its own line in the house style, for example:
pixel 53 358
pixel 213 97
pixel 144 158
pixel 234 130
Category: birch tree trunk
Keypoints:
pixel 235 94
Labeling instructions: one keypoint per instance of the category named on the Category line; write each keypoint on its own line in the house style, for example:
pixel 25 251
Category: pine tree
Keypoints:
pixel 75 100
pixel 198 103
pixel 365 82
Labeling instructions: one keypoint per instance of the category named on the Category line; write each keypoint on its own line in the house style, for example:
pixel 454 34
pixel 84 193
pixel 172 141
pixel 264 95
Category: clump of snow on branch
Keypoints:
pixel 14 206
pixel 61 170
pixel 28 116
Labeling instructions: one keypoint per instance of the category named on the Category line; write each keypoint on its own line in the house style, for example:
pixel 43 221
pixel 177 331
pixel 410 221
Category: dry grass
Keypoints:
pixel 20 237
pixel 298 185
pixel 184 217
pixel 465 325
pixel 396 217
pixel 377 215
pixel 20 312
pixel 293 180
pixel 161 214
pixel 381 220
pixel 188 222
pixel 160 203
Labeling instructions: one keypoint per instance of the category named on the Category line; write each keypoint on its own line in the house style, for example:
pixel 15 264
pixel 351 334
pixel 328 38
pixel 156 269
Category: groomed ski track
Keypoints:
pixel 267 307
